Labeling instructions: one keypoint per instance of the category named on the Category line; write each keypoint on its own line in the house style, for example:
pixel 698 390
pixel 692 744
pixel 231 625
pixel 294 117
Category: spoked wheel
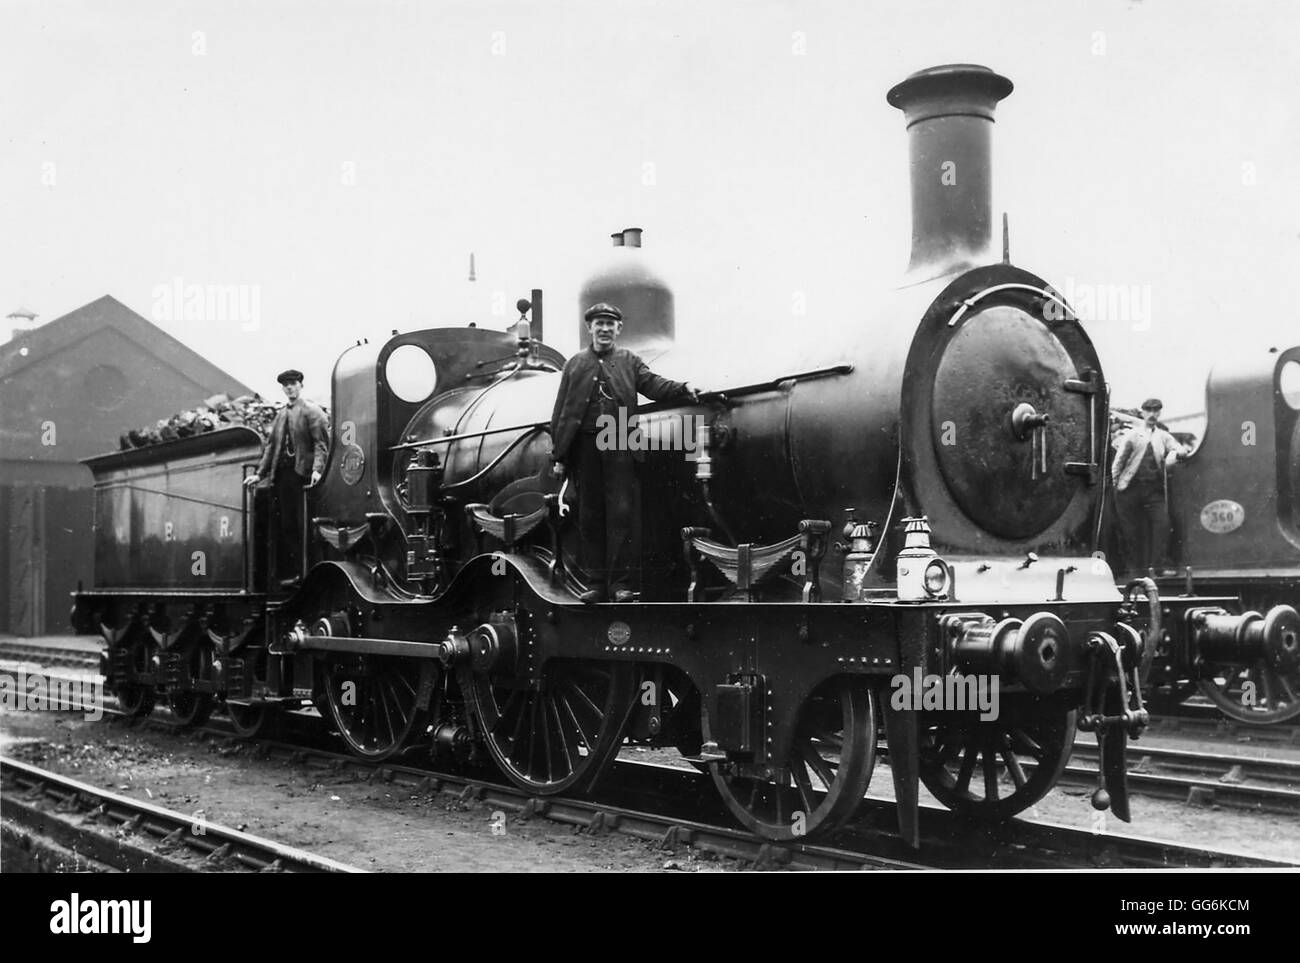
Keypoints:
pixel 378 703
pixel 135 698
pixel 1260 693
pixel 189 707
pixel 992 770
pixel 822 782
pixel 1266 690
pixel 249 722
pixel 559 733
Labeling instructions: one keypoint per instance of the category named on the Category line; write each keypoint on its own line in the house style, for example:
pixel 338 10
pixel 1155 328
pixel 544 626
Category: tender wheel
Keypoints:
pixel 378 703
pixel 558 734
pixel 825 776
pixel 1027 736
pixel 249 722
pixel 189 707
pixel 134 698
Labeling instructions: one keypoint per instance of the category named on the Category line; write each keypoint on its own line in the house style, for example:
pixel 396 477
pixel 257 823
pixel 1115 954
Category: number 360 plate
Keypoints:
pixel 1222 516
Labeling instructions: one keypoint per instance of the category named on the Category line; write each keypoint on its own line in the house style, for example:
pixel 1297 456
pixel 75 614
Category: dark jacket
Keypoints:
pixel 311 440
pixel 627 375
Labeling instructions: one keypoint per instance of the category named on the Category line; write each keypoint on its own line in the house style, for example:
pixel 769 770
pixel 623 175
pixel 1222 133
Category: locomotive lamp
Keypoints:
pixel 922 574
pixel 936 578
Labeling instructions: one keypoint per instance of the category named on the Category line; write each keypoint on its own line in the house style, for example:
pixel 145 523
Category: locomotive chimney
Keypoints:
pixel 949 114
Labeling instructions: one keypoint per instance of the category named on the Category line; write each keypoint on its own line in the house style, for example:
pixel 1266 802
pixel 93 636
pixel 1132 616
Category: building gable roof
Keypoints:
pixel 84 321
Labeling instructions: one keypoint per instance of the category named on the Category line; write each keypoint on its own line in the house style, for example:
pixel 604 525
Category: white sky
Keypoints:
pixel 522 131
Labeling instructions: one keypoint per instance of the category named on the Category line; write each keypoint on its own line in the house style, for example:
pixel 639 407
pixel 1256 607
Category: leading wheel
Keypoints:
pixel 1020 757
pixel 1266 690
pixel 822 781
pixel 557 733
pixel 1259 694
pixel 378 703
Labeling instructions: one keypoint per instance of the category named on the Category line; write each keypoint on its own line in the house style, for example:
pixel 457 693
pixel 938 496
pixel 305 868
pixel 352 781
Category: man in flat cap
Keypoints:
pixel 596 383
pixel 293 458
pixel 1141 476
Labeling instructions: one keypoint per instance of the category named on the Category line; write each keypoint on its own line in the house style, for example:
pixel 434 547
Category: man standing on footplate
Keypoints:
pixel 597 382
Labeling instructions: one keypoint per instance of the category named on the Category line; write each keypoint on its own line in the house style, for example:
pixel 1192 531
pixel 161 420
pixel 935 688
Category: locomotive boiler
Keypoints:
pixel 912 501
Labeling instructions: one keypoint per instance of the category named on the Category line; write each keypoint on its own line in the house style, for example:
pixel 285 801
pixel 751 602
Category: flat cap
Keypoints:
pixel 284 377
pixel 1152 404
pixel 602 310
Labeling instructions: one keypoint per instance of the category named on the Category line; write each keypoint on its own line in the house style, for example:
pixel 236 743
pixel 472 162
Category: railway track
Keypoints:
pixel 676 806
pixel 679 808
pixel 594 816
pixel 1196 778
pixel 48 656
pixel 51 821
pixel 1199 778
pixel 1202 721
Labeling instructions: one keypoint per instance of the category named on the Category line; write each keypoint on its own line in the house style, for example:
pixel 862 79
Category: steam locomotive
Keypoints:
pixel 1235 507
pixel 964 419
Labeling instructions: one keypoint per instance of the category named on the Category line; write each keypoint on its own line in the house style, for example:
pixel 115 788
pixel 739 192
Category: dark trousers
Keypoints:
pixel 609 503
pixel 287 512
pixel 1144 519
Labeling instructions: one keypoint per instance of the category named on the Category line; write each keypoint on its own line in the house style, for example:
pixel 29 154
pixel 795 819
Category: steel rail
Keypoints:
pixel 686 810
pixel 50 655
pixel 82 811
pixel 1199 720
pixel 949 841
pixel 1200 778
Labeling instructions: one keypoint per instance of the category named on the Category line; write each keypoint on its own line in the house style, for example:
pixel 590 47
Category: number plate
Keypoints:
pixel 1222 516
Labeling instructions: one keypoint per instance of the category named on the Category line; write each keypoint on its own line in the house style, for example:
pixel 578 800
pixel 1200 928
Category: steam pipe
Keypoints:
pixel 448 439
pixel 495 461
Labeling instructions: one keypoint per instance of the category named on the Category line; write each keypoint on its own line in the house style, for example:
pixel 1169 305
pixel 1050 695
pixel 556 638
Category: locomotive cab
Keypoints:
pixel 404 414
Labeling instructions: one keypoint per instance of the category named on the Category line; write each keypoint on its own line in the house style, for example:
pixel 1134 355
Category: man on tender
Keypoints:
pixel 293 458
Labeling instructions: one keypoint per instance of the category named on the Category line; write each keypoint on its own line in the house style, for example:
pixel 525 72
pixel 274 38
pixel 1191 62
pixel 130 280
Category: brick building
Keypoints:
pixel 68 389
